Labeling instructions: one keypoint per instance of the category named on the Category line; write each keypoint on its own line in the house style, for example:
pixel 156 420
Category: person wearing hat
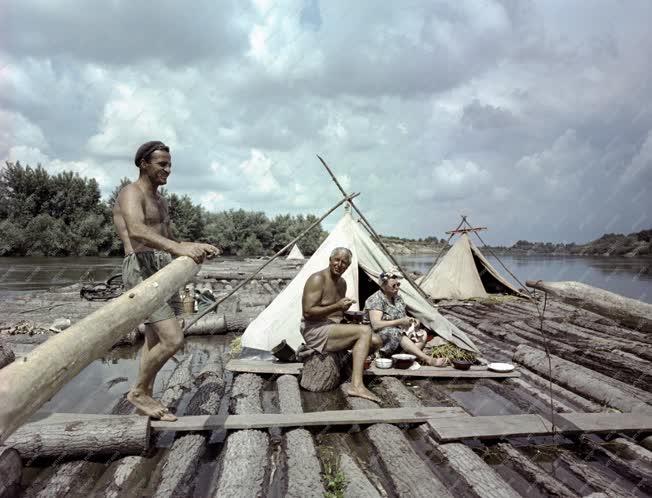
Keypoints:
pixel 388 318
pixel 141 217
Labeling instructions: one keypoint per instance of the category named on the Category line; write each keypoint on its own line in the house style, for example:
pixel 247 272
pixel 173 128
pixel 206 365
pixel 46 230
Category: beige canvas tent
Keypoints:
pixel 464 273
pixel 281 319
pixel 295 253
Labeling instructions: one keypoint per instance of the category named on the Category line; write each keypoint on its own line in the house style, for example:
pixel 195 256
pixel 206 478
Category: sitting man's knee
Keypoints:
pixel 365 331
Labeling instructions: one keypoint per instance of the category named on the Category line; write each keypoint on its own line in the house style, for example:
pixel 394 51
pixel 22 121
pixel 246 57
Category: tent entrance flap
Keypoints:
pixel 489 282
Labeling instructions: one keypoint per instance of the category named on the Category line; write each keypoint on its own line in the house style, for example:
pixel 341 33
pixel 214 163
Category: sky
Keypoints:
pixel 533 118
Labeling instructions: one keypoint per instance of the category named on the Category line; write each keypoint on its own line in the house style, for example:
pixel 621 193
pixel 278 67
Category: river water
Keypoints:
pixel 631 277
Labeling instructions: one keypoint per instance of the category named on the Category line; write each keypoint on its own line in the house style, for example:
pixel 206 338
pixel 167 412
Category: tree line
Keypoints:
pixel 63 214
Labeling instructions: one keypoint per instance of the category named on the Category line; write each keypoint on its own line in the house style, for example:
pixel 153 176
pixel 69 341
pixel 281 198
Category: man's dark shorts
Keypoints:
pixel 139 266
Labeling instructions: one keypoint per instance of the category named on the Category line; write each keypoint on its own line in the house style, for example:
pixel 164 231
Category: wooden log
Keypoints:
pixel 303 478
pixel 584 381
pixel 469 467
pixel 635 470
pixel 585 351
pixel 11 472
pixel 179 383
pixel 630 312
pixel 335 451
pixel 243 275
pixel 321 372
pixel 126 435
pixel 407 471
pixel 179 466
pixel 6 354
pixel 535 474
pixel 409 474
pixel 71 480
pixel 593 479
pixel 246 455
pixel 26 385
pixel 131 473
pixel 631 451
pixel 215 324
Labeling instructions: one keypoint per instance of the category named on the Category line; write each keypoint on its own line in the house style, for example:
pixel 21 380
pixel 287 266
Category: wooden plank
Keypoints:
pixel 610 422
pixel 271 367
pixel 264 367
pixel 442 373
pixel 324 418
pixel 489 427
pixel 495 427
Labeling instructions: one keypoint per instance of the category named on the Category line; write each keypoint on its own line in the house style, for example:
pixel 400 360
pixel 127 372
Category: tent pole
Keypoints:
pixel 380 242
pixel 281 251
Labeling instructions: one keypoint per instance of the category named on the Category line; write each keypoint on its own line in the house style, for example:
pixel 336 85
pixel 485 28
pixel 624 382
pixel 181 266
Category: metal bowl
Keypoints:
pixel 354 316
pixel 462 364
pixel 403 361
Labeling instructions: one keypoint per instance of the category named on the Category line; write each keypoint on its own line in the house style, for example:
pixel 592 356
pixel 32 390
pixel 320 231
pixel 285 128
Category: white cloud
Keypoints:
pixel 435 108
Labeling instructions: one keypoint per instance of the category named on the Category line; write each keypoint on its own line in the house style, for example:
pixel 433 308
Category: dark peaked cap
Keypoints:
pixel 147 148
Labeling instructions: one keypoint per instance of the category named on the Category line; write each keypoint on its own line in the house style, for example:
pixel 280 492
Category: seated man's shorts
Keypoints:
pixel 139 266
pixel 315 334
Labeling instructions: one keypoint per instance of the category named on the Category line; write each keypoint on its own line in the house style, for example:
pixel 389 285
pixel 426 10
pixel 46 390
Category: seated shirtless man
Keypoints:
pixel 324 304
pixel 140 215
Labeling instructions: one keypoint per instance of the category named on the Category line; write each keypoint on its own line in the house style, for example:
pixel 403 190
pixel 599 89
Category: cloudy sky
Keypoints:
pixel 532 117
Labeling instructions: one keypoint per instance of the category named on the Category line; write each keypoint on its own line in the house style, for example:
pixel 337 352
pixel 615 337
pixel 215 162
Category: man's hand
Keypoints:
pixel 345 303
pixel 195 250
pixel 211 251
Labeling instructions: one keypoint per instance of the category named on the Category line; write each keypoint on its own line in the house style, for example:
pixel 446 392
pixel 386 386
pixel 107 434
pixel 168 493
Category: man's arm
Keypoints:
pixel 133 211
pixel 312 294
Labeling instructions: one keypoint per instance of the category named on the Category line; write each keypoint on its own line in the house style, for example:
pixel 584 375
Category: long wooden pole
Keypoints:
pixel 260 268
pixel 28 383
pixel 373 232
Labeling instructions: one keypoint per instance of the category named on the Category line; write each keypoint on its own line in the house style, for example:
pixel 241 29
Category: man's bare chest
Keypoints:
pixel 155 211
pixel 331 294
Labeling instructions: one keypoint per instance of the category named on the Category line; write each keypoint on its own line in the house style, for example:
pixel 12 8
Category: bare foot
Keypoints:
pixel 361 392
pixel 149 406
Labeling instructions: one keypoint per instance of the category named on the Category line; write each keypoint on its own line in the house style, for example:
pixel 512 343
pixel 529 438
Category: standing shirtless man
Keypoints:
pixel 140 215
pixel 324 303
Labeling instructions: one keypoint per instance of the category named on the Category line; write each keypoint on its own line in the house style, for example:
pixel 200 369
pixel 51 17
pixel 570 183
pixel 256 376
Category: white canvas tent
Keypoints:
pixel 281 319
pixel 295 253
pixel 464 273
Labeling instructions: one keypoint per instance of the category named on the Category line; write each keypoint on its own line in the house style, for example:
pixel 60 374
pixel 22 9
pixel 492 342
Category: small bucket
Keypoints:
pixel 284 352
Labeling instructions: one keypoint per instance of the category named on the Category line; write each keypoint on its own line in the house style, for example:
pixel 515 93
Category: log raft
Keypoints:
pixel 629 312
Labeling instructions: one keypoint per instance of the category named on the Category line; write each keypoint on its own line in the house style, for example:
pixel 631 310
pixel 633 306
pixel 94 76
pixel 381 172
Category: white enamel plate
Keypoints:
pixel 500 367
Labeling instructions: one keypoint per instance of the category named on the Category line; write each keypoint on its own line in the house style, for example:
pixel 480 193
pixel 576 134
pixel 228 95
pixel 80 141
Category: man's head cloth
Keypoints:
pixel 146 150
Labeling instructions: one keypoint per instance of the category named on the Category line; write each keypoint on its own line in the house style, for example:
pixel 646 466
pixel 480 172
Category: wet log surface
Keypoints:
pixel 303 467
pixel 246 455
pixel 127 435
pixel 179 465
pixel 469 467
pixel 408 473
pixel 11 472
pixel 584 381
pixel 629 312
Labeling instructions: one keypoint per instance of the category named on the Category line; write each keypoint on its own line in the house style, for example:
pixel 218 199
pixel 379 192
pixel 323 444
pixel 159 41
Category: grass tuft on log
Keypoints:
pixel 335 481
pixel 452 352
